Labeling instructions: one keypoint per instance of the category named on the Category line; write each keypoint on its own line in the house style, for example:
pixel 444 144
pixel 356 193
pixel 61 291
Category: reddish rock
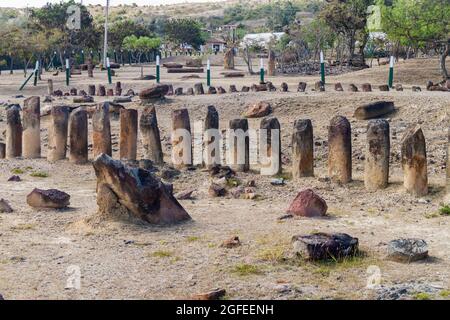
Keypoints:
pixel 50 198
pixel 261 109
pixel 231 243
pixel 308 204
pixel 157 91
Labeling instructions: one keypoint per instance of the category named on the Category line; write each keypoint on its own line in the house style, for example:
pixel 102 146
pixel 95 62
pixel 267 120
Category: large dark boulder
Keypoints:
pixel 374 110
pixel 156 91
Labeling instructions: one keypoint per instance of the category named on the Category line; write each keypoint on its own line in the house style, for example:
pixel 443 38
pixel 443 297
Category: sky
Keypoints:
pixel 39 3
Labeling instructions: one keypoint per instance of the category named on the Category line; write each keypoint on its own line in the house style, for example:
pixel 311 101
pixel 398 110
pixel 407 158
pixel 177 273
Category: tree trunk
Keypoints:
pixel 442 58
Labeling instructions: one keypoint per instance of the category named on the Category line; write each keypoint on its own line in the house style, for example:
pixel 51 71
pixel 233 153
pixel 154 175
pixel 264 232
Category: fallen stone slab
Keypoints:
pixel 325 246
pixel 190 76
pixel 308 204
pixel 373 110
pixel 233 74
pixel 407 250
pixel 172 65
pixel 83 99
pixel 157 91
pixel 134 194
pixel 122 100
pixel 185 195
pixel 186 70
pixel 51 199
pixel 194 62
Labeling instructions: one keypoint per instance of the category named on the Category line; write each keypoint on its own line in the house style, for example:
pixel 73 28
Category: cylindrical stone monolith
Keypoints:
pixel 57 133
pixel 2 150
pixel 151 141
pixel 91 90
pixel 198 88
pixel 13 133
pixel 211 138
pixel 78 136
pixel 118 89
pixel 90 68
pixel 378 148
pixel 239 145
pixel 302 149
pixel 270 146
pixel 101 130
pixel 32 128
pixel 128 134
pixel 50 87
pixel 181 138
pixel 101 90
pixel 414 161
pixel 340 150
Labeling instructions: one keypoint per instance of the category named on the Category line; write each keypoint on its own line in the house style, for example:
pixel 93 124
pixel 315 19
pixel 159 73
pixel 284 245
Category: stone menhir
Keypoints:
pixel 374 110
pixel 284 87
pixel 151 141
pixel 170 91
pixel 90 69
pixel 32 128
pixel 155 92
pixel 211 139
pixel 352 88
pixel 228 59
pixel 233 88
pixel 302 149
pixel 270 146
pixel 198 89
pixel 383 87
pixel 270 86
pixel 133 194
pixel 48 199
pixel 301 87
pixel 398 87
pixel 245 89
pixel 91 90
pixel 181 139
pixel 13 133
pixel 319 86
pixel 221 90
pixel 78 136
pixel 57 133
pixel 50 87
pixel 110 92
pixel 178 91
pixel 239 145
pixel 366 87
pixel 128 134
pixel 190 92
pixel 378 148
pixel 73 91
pixel 325 246
pixel 338 87
pixel 271 69
pixel 118 89
pixel 101 130
pixel 101 90
pixel 2 150
pixel 212 90
pixel 259 87
pixel 414 161
pixel 340 150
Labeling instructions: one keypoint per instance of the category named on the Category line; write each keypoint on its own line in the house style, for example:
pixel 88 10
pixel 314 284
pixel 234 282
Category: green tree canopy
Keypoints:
pixel 184 31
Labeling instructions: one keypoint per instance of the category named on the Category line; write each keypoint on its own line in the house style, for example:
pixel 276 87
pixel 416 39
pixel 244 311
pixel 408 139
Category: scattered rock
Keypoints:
pixel 216 294
pixel 157 91
pixel 216 190
pixel 260 109
pixel 324 246
pixel 194 62
pixel 278 182
pixel 14 178
pixel 51 198
pixel 407 250
pixel 308 204
pixel 122 100
pixel 220 171
pixel 366 87
pixel 416 89
pixel 301 87
pixel 185 195
pixel 231 243
pixel 233 74
pixel 373 110
pixel 398 87
pixel 338 87
pixel 172 65
pixel 83 99
pixel 383 87
pixel 5 207
pixel 285 216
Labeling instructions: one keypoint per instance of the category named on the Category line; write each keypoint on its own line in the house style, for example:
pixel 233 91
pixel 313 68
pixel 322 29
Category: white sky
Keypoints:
pixel 39 3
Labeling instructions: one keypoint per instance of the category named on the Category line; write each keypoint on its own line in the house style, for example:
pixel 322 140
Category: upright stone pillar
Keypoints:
pixel 57 133
pixel 378 149
pixel 91 90
pixel 414 161
pixel 32 128
pixel 211 139
pixel 118 89
pixel 101 130
pixel 151 140
pixel 2 150
pixel 128 134
pixel 198 88
pixel 270 146
pixel 239 145
pixel 272 64
pixel 101 90
pixel 340 150
pixel 181 139
pixel 50 87
pixel 78 136
pixel 13 133
pixel 302 149
pixel 90 68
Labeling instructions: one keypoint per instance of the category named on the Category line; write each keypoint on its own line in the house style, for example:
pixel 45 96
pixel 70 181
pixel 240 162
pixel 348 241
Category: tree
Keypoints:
pixel 349 19
pixel 280 14
pixel 184 31
pixel 140 45
pixel 121 29
pixel 419 23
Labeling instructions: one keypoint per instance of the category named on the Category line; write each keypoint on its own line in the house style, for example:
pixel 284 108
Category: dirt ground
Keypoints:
pixel 41 252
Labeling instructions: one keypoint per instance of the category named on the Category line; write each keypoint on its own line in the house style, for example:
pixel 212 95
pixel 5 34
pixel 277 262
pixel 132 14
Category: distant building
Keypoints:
pixel 261 39
pixel 215 45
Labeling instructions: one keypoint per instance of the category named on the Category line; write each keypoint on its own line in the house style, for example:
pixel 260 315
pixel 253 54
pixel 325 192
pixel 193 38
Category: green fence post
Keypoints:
pixel 391 72
pixel 108 68
pixel 67 72
pixel 157 69
pixel 261 70
pixel 322 68
pixel 208 73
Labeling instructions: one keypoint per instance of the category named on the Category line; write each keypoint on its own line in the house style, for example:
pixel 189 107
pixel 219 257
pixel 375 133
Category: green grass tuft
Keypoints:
pixel 246 269
pixel 17 171
pixel 444 210
pixel 422 296
pixel 39 174
pixel 162 254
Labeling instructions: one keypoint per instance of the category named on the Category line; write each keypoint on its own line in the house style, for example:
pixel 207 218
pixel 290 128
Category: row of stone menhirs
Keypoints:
pixel 24 140
pixel 92 90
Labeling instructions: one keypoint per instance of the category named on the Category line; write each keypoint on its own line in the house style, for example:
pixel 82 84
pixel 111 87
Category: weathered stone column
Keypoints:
pixel 270 146
pixel 101 130
pixel 238 145
pixel 2 150
pixel 198 88
pixel 91 90
pixel 447 168
pixel 181 139
pixel 414 161
pixel 211 139
pixel 151 140
pixel 378 149
pixel 50 87
pixel 128 134
pixel 90 68
pixel 302 149
pixel 57 133
pixel 118 89
pixel 271 65
pixel 101 90
pixel 13 133
pixel 78 136
pixel 32 128
pixel 340 150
